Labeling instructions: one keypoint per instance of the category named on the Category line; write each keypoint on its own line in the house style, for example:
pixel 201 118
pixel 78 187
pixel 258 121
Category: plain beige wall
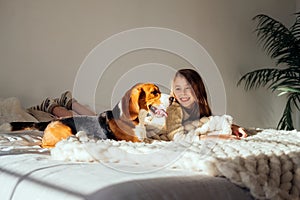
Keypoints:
pixel 44 42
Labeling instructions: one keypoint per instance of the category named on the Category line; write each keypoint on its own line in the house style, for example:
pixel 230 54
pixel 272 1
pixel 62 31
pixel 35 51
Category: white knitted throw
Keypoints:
pixel 268 164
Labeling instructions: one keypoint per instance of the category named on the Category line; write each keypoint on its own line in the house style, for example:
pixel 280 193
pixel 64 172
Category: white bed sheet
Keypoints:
pixel 37 176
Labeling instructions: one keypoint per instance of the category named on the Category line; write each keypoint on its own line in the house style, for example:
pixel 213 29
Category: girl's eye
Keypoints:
pixel 177 89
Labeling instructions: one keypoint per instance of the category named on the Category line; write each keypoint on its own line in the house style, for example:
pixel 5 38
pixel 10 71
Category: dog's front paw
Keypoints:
pixel 140 132
pixel 142 116
pixel 140 129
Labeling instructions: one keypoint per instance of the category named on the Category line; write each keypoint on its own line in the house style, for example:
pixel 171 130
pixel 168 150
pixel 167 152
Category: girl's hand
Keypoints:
pixel 238 131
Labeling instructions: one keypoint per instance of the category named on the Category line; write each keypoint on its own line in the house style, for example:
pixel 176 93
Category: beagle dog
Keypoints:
pixel 123 122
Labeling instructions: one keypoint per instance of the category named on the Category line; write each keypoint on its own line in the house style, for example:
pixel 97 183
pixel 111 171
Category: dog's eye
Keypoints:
pixel 155 92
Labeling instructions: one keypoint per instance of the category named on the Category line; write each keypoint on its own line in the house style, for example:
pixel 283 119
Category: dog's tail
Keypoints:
pixel 18 126
pixel 40 126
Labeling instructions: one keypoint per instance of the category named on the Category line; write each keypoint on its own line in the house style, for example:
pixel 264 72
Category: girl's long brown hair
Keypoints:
pixel 197 84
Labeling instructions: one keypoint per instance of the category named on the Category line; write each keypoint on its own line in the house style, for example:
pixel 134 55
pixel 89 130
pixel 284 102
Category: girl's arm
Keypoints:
pixel 237 133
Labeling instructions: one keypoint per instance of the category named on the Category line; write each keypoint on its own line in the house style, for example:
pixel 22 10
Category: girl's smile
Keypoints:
pixel 184 99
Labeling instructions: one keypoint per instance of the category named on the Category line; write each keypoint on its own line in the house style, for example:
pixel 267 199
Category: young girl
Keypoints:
pixel 188 94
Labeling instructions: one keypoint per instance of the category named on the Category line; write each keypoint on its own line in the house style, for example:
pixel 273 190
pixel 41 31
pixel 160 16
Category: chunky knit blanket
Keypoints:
pixel 268 164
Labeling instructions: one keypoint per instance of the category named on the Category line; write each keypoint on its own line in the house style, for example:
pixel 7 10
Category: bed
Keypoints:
pixel 32 176
pixel 263 166
pixel 28 171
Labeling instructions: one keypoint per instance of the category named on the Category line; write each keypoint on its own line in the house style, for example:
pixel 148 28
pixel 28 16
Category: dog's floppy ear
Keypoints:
pixel 130 102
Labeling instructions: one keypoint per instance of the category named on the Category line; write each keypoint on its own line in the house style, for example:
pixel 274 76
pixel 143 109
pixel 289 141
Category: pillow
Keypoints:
pixel 12 111
pixel 41 116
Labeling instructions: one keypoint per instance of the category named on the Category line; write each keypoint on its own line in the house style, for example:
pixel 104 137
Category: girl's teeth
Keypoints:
pixel 184 99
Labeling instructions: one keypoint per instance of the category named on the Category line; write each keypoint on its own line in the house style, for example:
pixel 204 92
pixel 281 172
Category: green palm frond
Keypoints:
pixel 286 90
pixel 283 45
pixel 295 28
pixel 286 83
pixel 261 78
pixel 278 41
pixel 294 92
pixel 286 121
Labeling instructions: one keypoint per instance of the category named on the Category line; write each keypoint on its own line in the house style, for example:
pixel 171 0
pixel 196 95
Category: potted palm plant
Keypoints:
pixel 283 45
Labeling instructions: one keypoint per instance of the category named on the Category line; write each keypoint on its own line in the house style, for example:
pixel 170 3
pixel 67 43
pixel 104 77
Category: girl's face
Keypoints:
pixel 183 92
